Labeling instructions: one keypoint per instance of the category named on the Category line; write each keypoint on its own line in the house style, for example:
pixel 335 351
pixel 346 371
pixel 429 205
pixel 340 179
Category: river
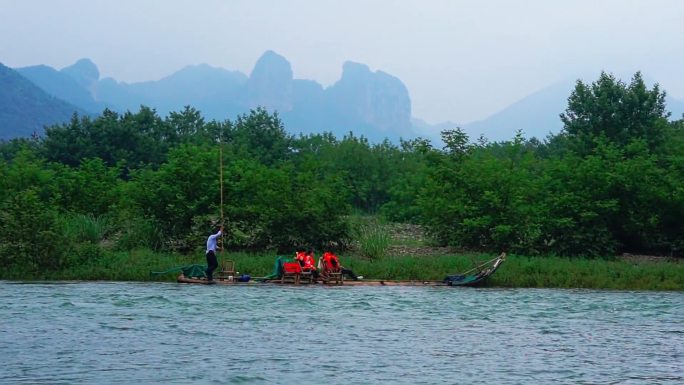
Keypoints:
pixel 145 333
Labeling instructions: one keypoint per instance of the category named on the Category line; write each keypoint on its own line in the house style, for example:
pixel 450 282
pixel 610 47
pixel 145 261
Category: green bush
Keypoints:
pixel 29 233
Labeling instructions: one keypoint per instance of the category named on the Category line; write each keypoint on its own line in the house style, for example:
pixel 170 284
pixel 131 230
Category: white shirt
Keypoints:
pixel 211 242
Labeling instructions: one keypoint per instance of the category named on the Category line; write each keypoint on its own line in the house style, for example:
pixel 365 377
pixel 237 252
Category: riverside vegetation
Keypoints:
pixel 119 195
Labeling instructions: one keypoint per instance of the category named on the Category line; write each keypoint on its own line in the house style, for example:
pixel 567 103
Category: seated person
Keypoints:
pixel 332 263
pixel 307 261
pixel 300 256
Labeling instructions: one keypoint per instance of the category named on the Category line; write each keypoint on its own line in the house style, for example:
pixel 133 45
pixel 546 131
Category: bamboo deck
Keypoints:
pixel 364 282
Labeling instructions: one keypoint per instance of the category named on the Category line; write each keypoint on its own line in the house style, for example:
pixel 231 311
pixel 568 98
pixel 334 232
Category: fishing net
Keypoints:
pixel 190 271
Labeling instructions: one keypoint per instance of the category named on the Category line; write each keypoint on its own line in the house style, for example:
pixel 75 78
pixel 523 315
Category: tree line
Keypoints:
pixel 612 181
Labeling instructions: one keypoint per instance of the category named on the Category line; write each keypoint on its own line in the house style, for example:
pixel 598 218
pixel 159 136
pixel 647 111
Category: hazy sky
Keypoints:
pixel 461 60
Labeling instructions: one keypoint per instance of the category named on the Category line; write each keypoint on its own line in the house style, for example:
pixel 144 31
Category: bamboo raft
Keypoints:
pixel 473 277
pixel 363 282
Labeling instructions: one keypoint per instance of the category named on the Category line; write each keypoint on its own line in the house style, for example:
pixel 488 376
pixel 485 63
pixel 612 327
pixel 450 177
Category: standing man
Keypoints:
pixel 212 263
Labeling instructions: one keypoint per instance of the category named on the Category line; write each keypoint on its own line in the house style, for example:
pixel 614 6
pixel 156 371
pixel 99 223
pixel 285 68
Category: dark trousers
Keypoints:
pixel 349 273
pixel 212 264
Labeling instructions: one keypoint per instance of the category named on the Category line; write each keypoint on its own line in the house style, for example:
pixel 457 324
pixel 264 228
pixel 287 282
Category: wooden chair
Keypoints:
pixel 226 270
pixel 306 275
pixel 330 277
pixel 292 272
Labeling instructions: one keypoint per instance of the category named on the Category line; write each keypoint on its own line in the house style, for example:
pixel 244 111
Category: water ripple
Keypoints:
pixel 167 333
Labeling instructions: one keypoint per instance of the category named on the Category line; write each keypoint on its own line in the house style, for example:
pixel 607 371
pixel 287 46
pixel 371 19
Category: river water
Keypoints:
pixel 105 333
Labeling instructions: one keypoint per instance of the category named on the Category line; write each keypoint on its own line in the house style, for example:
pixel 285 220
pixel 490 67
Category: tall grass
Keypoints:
pixel 80 228
pixel 140 234
pixel 517 271
pixel 371 236
pixel 374 242
pixel 414 268
pixel 558 272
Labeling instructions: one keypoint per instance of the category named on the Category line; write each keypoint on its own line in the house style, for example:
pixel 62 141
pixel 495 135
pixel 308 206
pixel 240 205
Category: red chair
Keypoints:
pixel 291 272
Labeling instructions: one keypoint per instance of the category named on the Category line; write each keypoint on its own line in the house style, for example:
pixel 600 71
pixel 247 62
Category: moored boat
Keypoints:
pixel 477 275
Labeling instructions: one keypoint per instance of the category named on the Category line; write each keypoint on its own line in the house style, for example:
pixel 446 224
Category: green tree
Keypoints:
pixel 621 113
pixel 185 187
pixel 412 169
pixel 30 238
pixel 485 197
pixel 92 188
pixel 259 135
pixel 134 140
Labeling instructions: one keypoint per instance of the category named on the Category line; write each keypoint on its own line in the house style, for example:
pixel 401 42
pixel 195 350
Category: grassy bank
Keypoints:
pixel 517 271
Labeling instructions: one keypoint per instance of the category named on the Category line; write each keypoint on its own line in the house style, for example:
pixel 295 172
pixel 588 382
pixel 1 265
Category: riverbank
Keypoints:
pixel 517 271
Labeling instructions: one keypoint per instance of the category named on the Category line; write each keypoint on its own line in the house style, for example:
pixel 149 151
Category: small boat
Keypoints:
pixel 477 275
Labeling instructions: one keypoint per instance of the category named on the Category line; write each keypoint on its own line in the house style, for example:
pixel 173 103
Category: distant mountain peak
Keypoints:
pixel 376 98
pixel 271 62
pixel 84 71
pixel 85 74
pixel 351 67
pixel 270 83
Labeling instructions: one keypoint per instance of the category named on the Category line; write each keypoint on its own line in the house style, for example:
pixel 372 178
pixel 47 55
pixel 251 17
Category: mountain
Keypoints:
pixel 25 108
pixel 214 91
pixel 537 115
pixel 375 100
pixel 69 84
pixel 373 104
pixel 270 84
pixel 85 73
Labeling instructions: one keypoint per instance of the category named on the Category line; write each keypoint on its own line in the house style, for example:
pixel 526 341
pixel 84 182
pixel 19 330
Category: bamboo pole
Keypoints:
pixel 478 267
pixel 221 180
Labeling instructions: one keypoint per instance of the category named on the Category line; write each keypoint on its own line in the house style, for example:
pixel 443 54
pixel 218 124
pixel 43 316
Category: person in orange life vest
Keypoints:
pixel 300 256
pixel 309 260
pixel 310 264
pixel 332 263
pixel 328 264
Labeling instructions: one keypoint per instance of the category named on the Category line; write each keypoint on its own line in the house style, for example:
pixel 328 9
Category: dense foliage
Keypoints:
pixel 612 181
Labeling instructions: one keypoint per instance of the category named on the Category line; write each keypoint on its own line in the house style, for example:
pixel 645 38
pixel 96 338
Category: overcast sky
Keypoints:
pixel 461 60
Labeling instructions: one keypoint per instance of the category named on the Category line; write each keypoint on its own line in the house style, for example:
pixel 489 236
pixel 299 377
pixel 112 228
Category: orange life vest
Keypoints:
pixel 309 262
pixel 301 258
pixel 331 261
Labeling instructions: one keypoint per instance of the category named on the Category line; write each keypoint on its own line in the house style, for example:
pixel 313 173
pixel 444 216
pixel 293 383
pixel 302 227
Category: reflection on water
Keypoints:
pixel 172 333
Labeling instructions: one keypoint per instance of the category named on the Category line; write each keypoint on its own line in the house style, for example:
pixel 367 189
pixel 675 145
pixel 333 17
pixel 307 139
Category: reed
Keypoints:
pixel 80 228
pixel 374 242
pixel 371 237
